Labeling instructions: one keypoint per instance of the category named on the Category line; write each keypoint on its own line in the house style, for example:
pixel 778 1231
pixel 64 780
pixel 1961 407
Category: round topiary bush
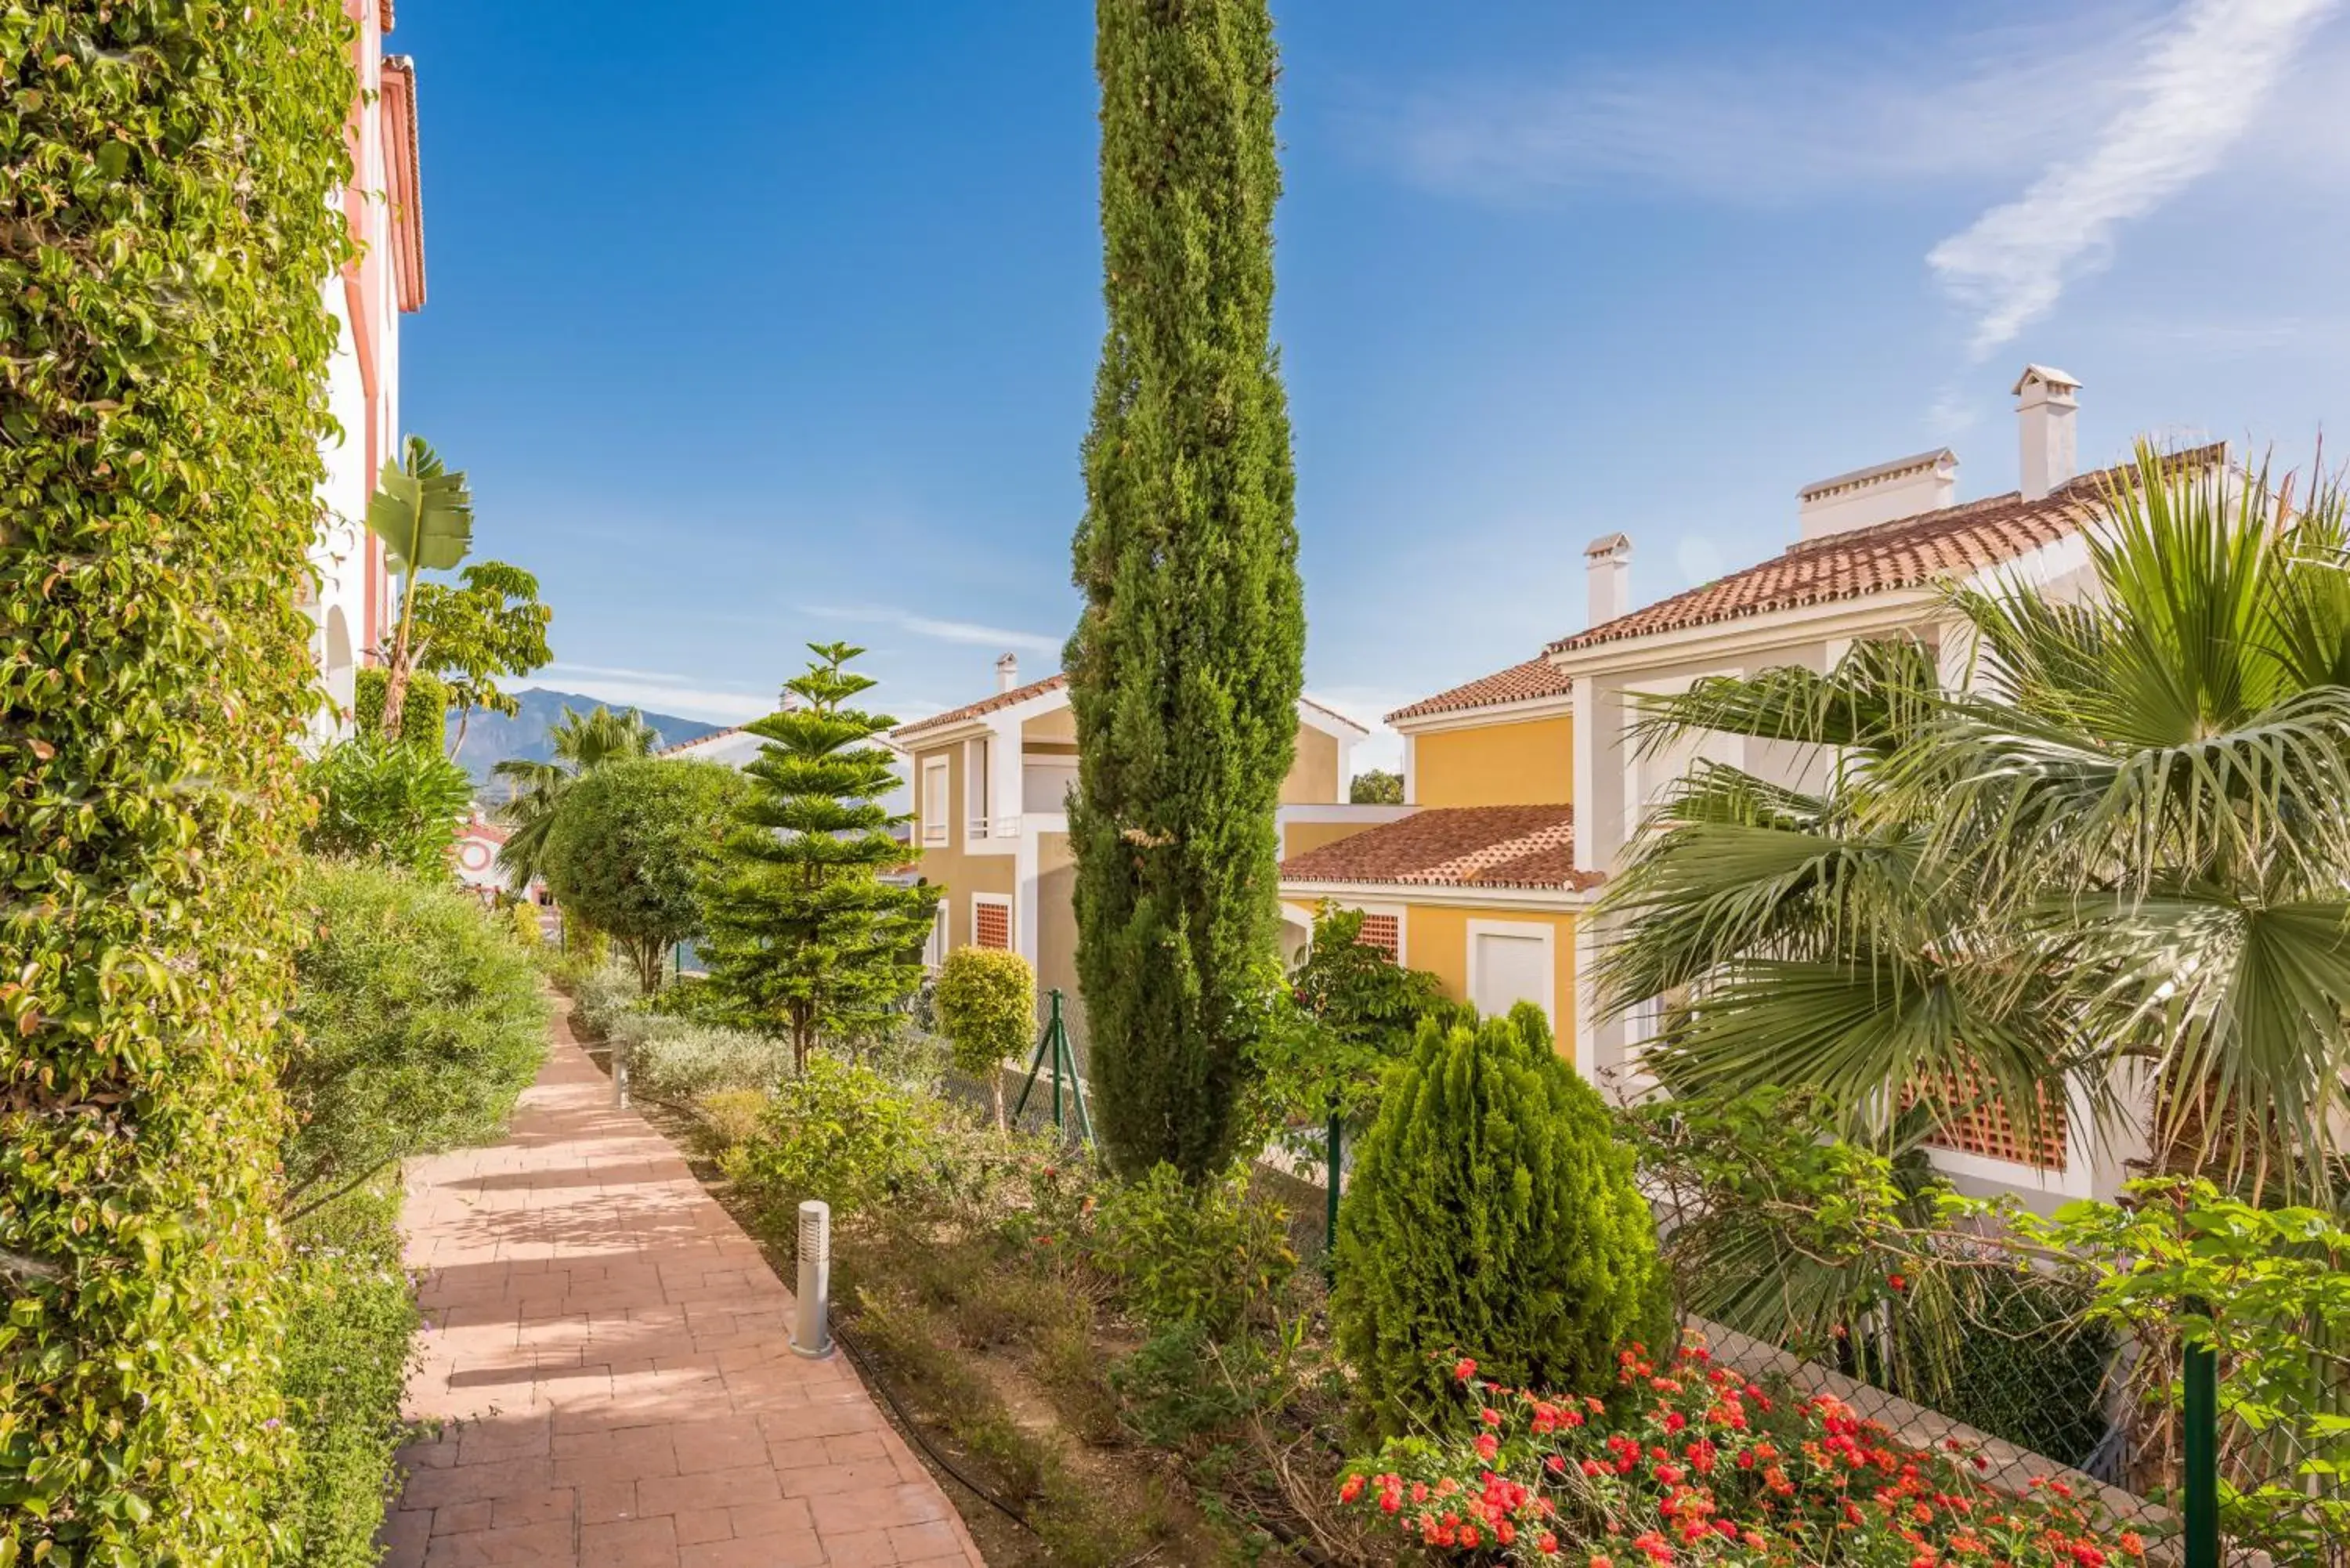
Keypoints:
pixel 987 1009
pixel 632 843
pixel 1492 1216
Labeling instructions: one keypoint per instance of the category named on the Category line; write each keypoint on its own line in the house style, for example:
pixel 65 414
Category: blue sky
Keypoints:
pixel 757 324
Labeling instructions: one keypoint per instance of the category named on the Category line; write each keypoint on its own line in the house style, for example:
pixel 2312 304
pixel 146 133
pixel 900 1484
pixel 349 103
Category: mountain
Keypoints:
pixel 491 738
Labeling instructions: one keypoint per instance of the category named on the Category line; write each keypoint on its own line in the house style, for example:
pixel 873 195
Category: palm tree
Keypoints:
pixel 582 743
pixel 425 516
pixel 2119 864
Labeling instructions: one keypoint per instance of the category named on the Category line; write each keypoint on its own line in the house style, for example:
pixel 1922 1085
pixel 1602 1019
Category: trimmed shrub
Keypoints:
pixel 169 219
pixel 631 847
pixel 681 1059
pixel 423 712
pixel 1191 1256
pixel 349 1341
pixel 600 995
pixel 986 1004
pixel 392 802
pixel 419 1020
pixel 841 1132
pixel 524 915
pixel 1492 1216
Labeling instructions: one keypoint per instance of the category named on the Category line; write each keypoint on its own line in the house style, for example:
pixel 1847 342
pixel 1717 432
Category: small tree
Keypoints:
pixel 987 1006
pixel 629 848
pixel 582 743
pixel 395 803
pixel 805 936
pixel 1492 1216
pixel 1376 786
pixel 492 626
pixel 425 516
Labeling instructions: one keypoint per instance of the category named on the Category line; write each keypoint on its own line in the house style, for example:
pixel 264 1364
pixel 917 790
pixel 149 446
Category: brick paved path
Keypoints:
pixel 610 1353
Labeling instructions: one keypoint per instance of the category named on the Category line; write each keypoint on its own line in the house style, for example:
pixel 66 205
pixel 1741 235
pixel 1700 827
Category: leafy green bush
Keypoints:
pixel 524 915
pixel 349 1347
pixel 1201 1255
pixel 392 802
pixel 600 994
pixel 986 1002
pixel 631 845
pixel 1491 1215
pixel 423 712
pixel 842 1133
pixel 681 1059
pixel 418 1021
pixel 170 211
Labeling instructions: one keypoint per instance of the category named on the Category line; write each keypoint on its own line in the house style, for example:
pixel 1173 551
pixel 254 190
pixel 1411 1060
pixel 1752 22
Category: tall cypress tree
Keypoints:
pixel 1185 667
pixel 804 936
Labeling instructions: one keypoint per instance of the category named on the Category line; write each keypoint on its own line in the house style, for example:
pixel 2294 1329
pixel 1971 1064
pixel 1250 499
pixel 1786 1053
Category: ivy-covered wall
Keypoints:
pixel 166 168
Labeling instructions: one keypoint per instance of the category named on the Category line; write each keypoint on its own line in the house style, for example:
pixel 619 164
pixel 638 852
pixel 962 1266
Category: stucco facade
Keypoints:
pixel 991 784
pixel 350 607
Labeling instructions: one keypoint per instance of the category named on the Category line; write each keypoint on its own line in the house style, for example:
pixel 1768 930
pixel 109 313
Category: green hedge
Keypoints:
pixel 349 1340
pixel 166 223
pixel 420 1020
pixel 423 712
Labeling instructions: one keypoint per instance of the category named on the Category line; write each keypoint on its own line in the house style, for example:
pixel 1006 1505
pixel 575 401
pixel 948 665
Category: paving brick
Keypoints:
pixel 613 1355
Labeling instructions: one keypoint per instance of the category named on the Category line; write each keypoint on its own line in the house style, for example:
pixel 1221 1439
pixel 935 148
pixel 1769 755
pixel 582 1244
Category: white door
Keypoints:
pixel 1506 969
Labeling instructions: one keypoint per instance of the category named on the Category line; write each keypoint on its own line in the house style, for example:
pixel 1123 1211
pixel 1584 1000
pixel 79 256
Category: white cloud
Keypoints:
pixel 2191 94
pixel 683 695
pixel 963 631
pixel 1890 110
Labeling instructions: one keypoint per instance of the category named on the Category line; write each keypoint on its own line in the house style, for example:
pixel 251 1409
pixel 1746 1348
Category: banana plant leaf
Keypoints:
pixel 421 512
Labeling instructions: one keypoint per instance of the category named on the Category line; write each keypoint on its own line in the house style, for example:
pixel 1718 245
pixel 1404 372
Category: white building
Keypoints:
pixel 1874 549
pixel 351 609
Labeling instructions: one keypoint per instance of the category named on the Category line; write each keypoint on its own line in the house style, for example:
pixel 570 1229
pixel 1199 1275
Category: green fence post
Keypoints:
pixel 2199 1417
pixel 1330 1204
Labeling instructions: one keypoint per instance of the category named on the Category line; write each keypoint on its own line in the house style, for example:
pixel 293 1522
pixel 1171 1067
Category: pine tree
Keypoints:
pixel 1186 664
pixel 805 937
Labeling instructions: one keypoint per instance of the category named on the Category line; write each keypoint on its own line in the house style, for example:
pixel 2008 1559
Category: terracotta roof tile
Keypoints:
pixel 1535 678
pixel 985 705
pixel 1454 846
pixel 1905 552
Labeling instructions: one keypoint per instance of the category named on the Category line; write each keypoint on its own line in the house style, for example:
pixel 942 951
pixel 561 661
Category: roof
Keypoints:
pixel 403 174
pixel 1454 846
pixel 1535 679
pixel 703 740
pixel 985 705
pixel 1053 683
pixel 482 828
pixel 1905 552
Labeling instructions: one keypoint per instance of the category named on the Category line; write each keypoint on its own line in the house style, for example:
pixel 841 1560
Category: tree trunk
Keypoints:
pixel 995 1081
pixel 395 675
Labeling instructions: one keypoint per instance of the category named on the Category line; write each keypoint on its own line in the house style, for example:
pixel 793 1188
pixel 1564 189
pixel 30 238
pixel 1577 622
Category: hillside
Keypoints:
pixel 492 737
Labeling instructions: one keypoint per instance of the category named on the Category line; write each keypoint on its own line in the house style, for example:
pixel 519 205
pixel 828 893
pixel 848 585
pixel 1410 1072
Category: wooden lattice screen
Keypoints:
pixel 1384 932
pixel 990 926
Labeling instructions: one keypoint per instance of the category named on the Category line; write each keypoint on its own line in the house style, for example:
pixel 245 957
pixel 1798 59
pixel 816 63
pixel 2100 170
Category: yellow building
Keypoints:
pixel 1475 878
pixel 991 784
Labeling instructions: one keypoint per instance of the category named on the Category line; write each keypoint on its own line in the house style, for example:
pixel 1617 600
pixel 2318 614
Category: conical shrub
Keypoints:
pixel 1492 1216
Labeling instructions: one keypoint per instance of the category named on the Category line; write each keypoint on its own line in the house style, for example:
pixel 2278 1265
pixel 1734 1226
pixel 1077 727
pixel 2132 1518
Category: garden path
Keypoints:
pixel 609 1354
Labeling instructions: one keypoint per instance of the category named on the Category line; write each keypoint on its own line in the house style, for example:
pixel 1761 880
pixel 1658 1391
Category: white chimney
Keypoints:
pixel 1905 487
pixel 2045 411
pixel 1007 672
pixel 1607 567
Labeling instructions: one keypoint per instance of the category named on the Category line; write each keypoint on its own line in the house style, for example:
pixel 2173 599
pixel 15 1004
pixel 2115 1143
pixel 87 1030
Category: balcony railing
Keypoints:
pixel 994 826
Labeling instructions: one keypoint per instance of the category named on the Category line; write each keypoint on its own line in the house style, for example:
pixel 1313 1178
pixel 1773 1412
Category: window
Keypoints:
pixel 934 801
pixel 1512 961
pixel 1384 932
pixel 935 951
pixel 991 922
pixel 974 785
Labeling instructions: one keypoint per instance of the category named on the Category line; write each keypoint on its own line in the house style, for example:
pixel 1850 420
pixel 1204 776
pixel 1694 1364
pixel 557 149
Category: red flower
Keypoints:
pixel 1490 1416
pixel 1463 1370
pixel 1351 1490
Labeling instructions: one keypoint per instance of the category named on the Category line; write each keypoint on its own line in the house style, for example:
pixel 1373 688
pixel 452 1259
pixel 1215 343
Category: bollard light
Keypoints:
pixel 620 1075
pixel 812 1332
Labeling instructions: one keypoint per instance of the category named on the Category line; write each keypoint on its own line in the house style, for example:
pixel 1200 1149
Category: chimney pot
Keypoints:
pixel 2045 407
pixel 1007 672
pixel 1608 566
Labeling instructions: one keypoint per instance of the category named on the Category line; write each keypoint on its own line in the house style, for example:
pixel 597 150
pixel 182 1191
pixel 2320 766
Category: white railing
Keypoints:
pixel 980 827
pixel 1008 826
pixel 976 827
pixel 934 832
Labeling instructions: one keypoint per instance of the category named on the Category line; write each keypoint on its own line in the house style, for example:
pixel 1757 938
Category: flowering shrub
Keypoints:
pixel 1695 1464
